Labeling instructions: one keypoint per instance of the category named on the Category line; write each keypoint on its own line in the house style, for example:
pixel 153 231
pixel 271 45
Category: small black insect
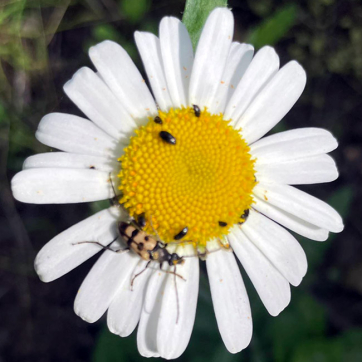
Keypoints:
pixel 158 120
pixel 141 221
pixel 197 110
pixel 244 216
pixel 181 234
pixel 167 137
pixel 222 223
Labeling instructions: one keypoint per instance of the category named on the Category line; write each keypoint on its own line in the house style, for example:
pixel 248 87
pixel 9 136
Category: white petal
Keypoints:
pixel 293 144
pixel 309 170
pixel 273 102
pixel 278 245
pixel 230 300
pixel 62 254
pixel 290 221
pixel 110 273
pixel 272 287
pixel 238 60
pixel 300 204
pixel 123 78
pixel 75 134
pixel 98 103
pixel 146 334
pixel 125 309
pixel 262 68
pixel 61 186
pixel 70 160
pixel 211 55
pixel 149 47
pixel 178 56
pixel 174 335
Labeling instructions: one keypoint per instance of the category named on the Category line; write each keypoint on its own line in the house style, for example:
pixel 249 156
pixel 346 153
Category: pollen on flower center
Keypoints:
pixel 203 182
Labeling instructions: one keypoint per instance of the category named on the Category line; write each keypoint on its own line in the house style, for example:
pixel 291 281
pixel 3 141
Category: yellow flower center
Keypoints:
pixel 203 182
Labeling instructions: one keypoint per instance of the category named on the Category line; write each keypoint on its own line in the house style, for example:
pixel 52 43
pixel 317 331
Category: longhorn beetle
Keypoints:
pixel 148 248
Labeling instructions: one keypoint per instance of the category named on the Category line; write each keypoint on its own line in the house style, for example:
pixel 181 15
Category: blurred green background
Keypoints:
pixel 42 43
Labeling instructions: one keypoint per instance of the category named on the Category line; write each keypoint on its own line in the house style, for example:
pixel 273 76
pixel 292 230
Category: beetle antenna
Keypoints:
pixel 114 190
pixel 106 247
pixel 155 231
pixel 180 242
pixel 177 300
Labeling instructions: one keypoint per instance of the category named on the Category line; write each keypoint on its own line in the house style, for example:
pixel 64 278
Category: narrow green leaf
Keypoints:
pixel 99 206
pixel 11 11
pixel 195 15
pixel 271 30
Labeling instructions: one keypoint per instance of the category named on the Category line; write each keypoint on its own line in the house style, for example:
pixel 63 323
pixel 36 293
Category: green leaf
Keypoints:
pixel 352 345
pixel 303 319
pixel 313 315
pixel 195 15
pixel 109 347
pixel 346 347
pixel 13 9
pixel 134 9
pixel 271 30
pixel 99 206
pixel 105 32
pixel 319 350
pixel 222 354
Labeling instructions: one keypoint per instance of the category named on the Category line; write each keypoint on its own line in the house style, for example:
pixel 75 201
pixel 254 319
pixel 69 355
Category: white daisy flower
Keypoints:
pixel 209 173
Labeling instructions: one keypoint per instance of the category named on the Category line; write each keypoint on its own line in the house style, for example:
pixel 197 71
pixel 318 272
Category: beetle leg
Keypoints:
pixel 138 274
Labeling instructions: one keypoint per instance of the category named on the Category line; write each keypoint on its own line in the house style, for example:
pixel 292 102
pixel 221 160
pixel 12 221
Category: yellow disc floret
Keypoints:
pixel 203 182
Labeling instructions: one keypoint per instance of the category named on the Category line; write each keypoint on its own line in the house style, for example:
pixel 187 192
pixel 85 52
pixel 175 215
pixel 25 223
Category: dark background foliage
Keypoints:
pixel 43 42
